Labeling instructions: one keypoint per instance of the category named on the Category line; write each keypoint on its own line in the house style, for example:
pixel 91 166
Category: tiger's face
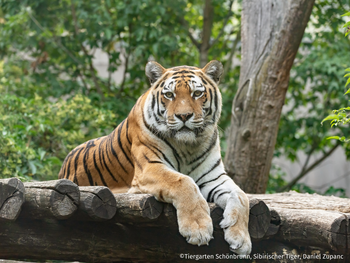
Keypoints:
pixel 184 102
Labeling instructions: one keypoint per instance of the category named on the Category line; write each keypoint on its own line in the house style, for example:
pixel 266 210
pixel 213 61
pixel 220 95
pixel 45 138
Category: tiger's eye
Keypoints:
pixel 169 95
pixel 197 93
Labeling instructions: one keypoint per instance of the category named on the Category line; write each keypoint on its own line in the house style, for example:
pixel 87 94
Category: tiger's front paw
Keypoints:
pixel 235 225
pixel 238 238
pixel 195 223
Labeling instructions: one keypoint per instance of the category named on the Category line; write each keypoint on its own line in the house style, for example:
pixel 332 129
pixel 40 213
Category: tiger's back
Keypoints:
pixel 103 161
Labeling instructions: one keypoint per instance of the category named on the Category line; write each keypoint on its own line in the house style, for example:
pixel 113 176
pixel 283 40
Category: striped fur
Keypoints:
pixel 169 147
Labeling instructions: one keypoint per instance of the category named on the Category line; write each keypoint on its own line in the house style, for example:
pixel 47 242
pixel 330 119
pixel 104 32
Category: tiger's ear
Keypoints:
pixel 214 70
pixel 154 71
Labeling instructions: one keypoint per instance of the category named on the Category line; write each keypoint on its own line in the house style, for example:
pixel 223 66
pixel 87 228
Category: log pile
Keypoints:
pixel 57 220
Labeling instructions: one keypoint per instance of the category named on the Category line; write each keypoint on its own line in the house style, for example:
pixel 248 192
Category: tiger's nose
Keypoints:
pixel 184 117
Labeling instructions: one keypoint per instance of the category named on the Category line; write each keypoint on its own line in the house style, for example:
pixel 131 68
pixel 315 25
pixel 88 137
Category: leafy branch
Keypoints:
pixel 305 170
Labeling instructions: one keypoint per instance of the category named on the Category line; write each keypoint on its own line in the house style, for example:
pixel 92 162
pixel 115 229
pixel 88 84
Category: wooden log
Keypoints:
pixel 325 229
pixel 11 198
pixel 97 203
pixel 259 219
pixel 137 208
pixel 274 226
pixel 51 199
pixel 294 200
pixel 145 209
pixel 100 242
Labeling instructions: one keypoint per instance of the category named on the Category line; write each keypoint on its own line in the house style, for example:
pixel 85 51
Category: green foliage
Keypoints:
pixel 36 134
pixel 276 179
pixel 54 99
pixel 315 85
pixel 341 116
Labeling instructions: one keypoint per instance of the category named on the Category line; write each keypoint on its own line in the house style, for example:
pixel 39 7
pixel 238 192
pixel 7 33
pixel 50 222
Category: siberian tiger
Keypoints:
pixel 169 147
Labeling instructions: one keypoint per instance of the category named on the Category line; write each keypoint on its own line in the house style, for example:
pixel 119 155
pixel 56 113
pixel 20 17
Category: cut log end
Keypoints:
pixel 259 219
pixel 98 202
pixel 138 207
pixel 11 198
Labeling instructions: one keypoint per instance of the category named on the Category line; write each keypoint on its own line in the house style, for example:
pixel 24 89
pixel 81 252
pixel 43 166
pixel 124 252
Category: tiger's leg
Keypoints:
pixel 235 203
pixel 169 186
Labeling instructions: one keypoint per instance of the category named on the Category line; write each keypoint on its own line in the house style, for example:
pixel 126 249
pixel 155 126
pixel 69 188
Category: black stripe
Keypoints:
pixel 137 162
pixel 211 101
pixel 76 160
pixel 86 168
pixel 114 152
pixel 153 101
pixel 100 154
pixel 211 169
pixel 106 151
pixel 216 104
pixel 226 192
pixel 120 143
pixel 207 182
pixel 68 171
pixel 164 157
pixel 149 161
pixel 127 131
pixel 75 179
pixel 159 136
pixel 205 83
pixel 176 155
pixel 105 164
pixel 158 111
pixel 218 191
pixel 212 144
pixel 98 170
pixel 209 199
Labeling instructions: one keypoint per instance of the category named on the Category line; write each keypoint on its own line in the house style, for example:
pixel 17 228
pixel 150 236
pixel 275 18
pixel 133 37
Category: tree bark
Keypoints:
pixel 271 34
pixel 208 13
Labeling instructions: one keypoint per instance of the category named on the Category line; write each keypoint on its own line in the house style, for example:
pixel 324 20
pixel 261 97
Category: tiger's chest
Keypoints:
pixel 196 161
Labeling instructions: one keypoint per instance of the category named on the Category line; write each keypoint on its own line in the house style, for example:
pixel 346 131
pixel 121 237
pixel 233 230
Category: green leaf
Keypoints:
pixel 347 83
pixel 333 137
pixel 330 117
pixel 32 167
pixel 42 154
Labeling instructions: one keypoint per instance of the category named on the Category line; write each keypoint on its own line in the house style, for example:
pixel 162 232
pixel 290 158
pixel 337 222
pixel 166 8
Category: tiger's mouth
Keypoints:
pixel 185 129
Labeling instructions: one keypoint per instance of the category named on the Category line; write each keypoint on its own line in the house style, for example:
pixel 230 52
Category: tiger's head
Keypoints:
pixel 184 102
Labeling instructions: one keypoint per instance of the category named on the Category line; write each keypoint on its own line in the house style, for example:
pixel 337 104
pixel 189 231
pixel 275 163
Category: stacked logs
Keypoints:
pixel 59 220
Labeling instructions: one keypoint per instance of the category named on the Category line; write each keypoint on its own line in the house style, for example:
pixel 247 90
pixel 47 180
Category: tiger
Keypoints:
pixel 169 147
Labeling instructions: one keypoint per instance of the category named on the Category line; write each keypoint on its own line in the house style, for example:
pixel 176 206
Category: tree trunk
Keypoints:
pixel 271 34
pixel 208 13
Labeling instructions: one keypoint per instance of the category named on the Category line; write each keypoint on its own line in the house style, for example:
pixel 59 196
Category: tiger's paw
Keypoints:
pixel 195 224
pixel 235 225
pixel 238 239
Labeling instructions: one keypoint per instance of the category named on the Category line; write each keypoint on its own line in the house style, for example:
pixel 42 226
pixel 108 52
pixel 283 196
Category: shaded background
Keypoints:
pixel 71 71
